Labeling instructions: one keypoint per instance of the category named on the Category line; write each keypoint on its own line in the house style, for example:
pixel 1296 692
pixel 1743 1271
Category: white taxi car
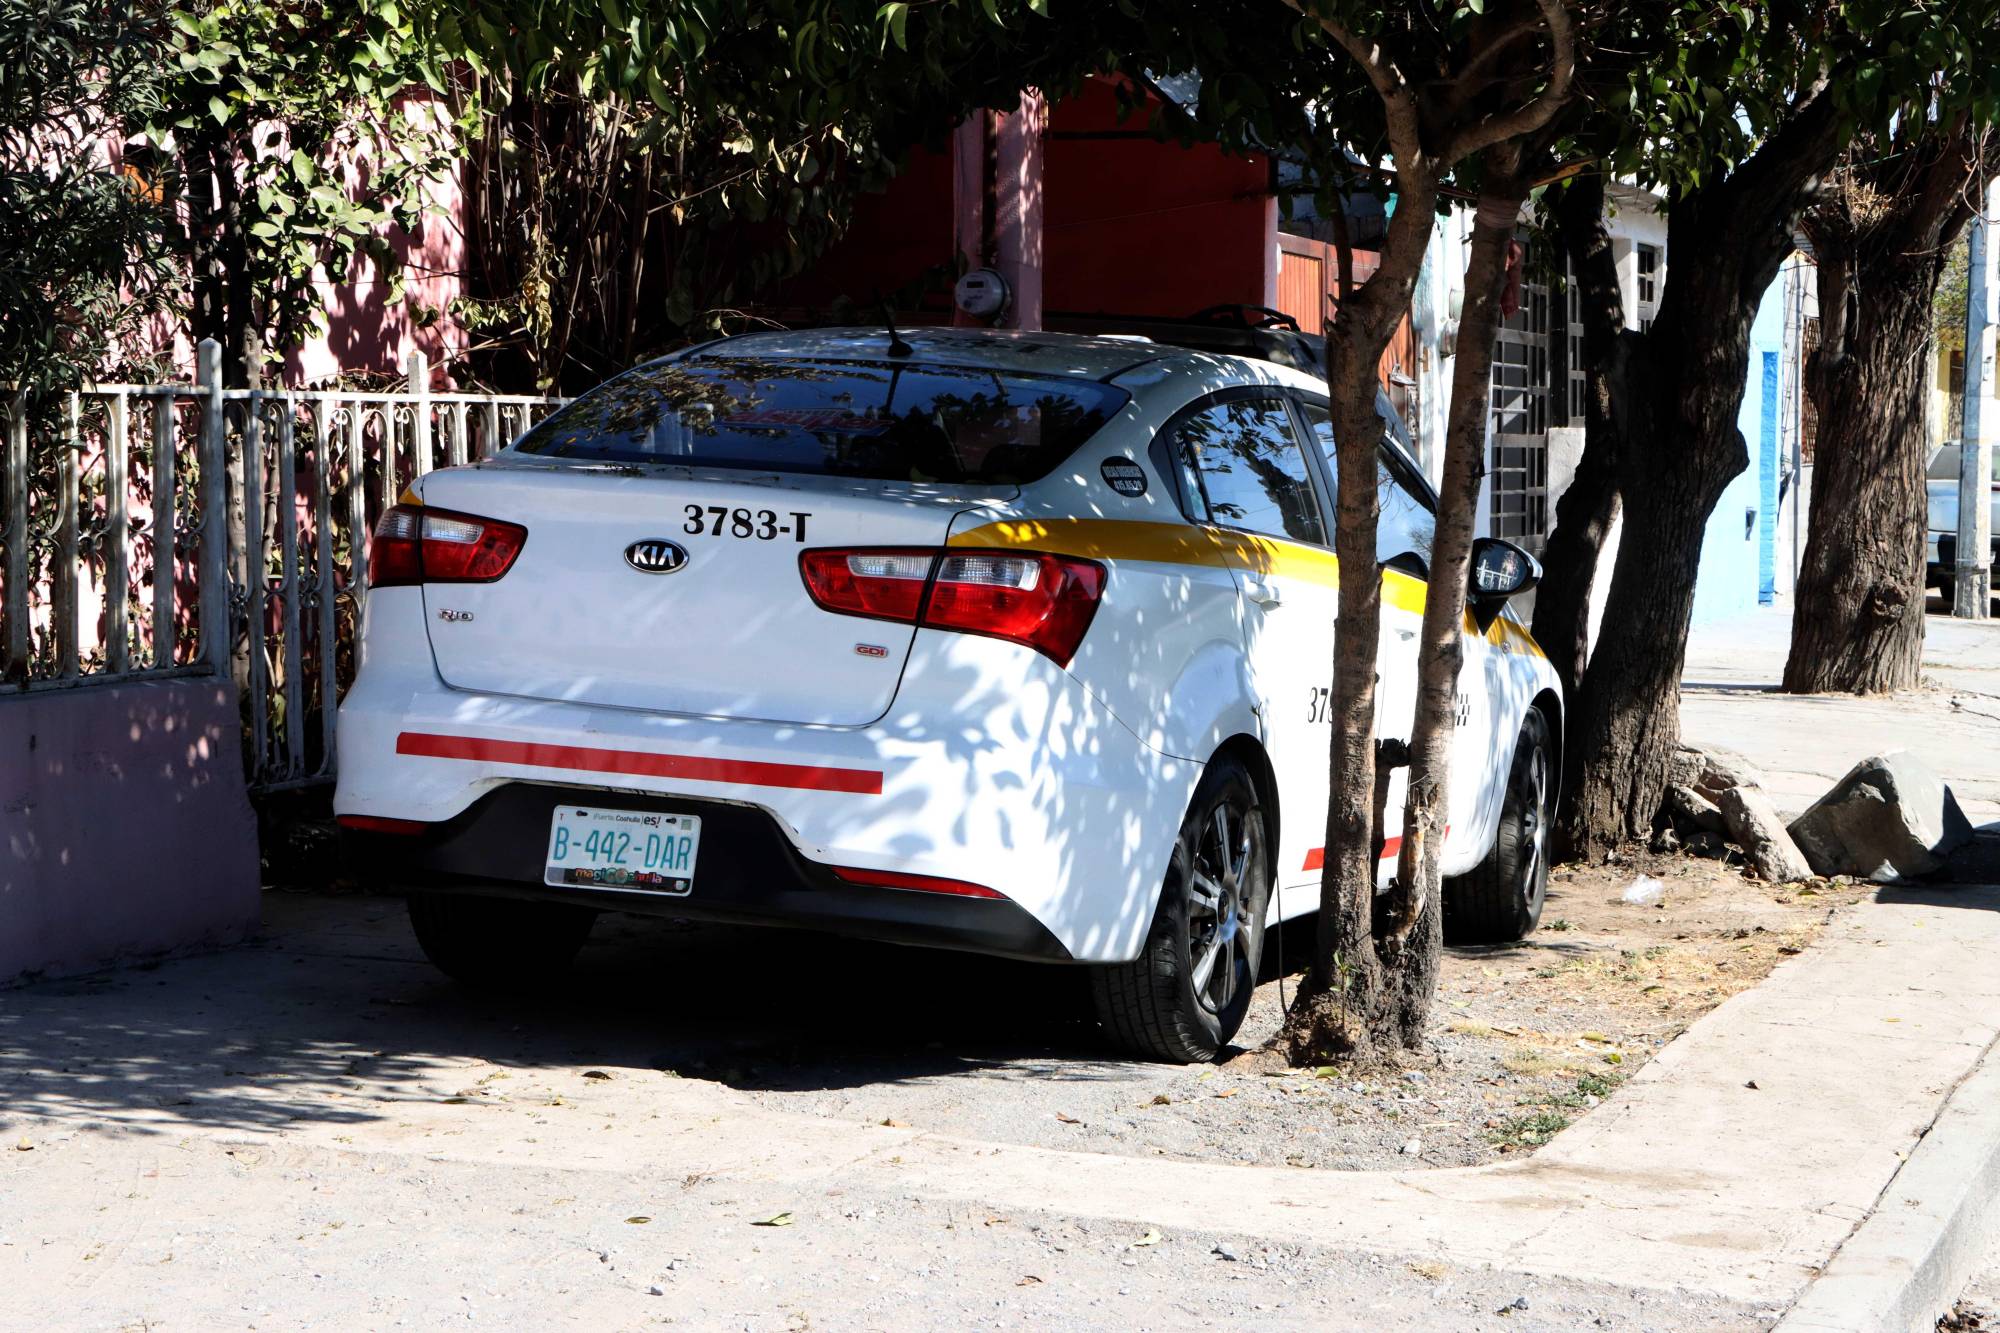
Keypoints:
pixel 1019 644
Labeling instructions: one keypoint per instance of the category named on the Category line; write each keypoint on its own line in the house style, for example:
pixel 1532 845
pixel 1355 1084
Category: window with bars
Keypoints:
pixel 1521 409
pixel 1649 274
pixel 1579 386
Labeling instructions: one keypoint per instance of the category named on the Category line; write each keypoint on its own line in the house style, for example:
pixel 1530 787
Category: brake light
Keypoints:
pixel 1045 602
pixel 413 544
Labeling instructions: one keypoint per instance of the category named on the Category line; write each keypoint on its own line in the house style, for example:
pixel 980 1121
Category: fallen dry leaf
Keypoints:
pixel 595 1073
pixel 1151 1237
pixel 24 1146
pixel 639 1221
pixel 1228 1092
pixel 780 1220
pixel 1029 1281
pixel 892 1123
pixel 1161 1099
pixel 1067 1119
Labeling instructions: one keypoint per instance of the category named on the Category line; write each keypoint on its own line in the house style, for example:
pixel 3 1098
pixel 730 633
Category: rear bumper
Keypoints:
pixel 993 767
pixel 748 873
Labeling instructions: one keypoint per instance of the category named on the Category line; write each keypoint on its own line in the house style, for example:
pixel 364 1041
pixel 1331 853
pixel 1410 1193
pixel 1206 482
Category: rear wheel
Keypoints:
pixel 1186 993
pixel 498 943
pixel 1500 900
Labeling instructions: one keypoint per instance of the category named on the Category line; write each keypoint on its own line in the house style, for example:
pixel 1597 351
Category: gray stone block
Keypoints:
pixel 1890 818
pixel 1758 830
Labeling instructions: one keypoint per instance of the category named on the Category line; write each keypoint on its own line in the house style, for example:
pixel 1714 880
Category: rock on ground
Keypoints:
pixel 1711 772
pixel 1693 810
pixel 1758 830
pixel 1890 818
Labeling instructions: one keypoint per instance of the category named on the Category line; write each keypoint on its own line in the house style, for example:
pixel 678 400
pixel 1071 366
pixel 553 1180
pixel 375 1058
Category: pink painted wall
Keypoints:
pixel 368 330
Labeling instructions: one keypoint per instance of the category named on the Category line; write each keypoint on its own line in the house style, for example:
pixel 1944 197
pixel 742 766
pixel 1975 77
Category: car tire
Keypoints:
pixel 1185 995
pixel 1500 900
pixel 498 943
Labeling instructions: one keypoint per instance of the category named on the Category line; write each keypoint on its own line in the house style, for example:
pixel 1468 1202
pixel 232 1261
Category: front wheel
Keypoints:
pixel 1500 899
pixel 1186 993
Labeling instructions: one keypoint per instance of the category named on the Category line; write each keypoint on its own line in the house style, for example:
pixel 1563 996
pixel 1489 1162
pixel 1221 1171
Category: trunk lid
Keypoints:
pixel 730 632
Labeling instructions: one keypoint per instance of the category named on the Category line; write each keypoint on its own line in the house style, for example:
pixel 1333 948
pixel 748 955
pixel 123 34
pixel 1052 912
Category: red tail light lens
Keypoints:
pixel 879 584
pixel 413 544
pixel 1045 602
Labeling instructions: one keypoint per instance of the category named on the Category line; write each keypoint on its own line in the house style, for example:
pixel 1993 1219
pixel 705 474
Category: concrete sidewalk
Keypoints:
pixel 1805 743
pixel 342 1088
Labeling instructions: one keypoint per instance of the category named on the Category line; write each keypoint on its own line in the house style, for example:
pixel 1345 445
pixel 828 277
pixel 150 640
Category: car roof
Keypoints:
pixel 1086 355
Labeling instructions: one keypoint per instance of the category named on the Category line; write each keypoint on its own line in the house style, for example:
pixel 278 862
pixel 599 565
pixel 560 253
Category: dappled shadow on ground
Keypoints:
pixel 334 1013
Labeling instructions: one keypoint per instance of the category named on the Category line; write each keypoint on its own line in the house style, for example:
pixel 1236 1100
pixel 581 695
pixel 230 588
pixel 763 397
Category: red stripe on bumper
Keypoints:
pixel 1316 856
pixel 642 763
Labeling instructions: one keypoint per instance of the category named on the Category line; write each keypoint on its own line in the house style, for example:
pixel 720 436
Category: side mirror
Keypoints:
pixel 1500 570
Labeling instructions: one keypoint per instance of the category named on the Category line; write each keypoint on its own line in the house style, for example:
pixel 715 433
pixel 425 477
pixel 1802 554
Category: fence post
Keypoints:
pixel 212 449
pixel 15 613
pixel 420 411
pixel 165 534
pixel 117 535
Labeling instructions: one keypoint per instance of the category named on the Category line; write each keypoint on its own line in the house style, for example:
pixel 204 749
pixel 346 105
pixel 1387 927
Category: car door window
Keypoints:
pixel 1407 527
pixel 1252 471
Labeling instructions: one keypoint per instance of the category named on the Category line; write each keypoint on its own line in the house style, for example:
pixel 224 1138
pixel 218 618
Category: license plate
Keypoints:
pixel 622 849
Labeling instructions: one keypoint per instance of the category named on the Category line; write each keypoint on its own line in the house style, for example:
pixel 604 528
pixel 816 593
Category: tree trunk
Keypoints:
pixel 1881 238
pixel 1858 614
pixel 1589 505
pixel 1414 924
pixel 1681 449
pixel 1355 999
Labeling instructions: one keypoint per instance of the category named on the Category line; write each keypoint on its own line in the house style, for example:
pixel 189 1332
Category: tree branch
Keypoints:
pixel 1399 103
pixel 1497 128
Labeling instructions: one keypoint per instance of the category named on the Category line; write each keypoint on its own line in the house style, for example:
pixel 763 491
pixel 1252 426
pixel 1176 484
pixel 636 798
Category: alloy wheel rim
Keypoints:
pixel 1534 822
pixel 1219 923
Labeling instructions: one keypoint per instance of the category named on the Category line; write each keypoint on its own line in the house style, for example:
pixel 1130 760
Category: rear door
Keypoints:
pixel 1257 489
pixel 1403 537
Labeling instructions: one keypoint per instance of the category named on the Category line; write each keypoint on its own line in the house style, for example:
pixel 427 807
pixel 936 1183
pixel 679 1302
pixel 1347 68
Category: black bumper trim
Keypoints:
pixel 748 873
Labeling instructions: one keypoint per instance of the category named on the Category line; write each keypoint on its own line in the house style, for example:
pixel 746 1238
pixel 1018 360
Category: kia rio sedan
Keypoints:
pixel 1019 644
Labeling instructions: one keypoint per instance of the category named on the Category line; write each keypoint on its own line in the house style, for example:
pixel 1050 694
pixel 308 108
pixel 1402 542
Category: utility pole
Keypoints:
pixel 1973 556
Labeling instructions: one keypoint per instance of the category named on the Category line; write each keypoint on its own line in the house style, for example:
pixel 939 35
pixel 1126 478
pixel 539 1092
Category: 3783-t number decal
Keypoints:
pixel 763 524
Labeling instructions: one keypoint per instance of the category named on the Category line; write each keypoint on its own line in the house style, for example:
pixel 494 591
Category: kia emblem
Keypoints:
pixel 656 555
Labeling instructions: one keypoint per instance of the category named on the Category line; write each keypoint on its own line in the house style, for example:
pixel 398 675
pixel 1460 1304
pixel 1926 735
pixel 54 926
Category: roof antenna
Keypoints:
pixel 897 347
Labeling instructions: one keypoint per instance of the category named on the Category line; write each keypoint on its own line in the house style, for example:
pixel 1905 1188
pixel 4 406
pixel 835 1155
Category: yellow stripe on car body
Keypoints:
pixel 1199 544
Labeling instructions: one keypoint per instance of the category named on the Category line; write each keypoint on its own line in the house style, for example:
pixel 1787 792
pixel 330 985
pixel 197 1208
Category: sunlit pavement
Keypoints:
pixel 1805 743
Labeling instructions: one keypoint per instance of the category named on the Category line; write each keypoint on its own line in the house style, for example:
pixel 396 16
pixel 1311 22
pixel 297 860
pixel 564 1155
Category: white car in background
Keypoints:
pixel 1019 644
pixel 1941 494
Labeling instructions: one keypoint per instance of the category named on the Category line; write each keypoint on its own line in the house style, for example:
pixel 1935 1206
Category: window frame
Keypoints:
pixel 1165 462
pixel 1403 468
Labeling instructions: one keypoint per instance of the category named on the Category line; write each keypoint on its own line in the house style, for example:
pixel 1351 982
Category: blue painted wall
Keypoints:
pixel 1732 552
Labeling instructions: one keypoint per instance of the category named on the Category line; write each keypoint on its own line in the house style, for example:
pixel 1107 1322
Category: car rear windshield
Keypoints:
pixel 888 420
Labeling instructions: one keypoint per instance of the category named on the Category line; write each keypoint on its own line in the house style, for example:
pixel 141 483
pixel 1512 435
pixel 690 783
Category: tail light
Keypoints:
pixel 1044 602
pixel 413 544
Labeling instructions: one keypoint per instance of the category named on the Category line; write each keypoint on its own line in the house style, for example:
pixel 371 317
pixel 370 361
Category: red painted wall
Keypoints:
pixel 1138 227
pixel 1132 226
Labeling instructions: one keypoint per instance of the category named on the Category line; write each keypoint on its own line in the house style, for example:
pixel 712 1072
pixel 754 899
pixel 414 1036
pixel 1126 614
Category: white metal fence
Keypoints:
pixel 171 530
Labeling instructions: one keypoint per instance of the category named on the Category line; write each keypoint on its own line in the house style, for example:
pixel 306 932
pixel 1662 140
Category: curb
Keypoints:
pixel 1929 1232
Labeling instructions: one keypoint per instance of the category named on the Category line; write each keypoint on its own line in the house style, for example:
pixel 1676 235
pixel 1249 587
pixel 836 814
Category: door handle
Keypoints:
pixel 1262 593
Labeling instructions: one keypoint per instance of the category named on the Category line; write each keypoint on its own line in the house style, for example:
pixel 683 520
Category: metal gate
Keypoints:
pixel 175 530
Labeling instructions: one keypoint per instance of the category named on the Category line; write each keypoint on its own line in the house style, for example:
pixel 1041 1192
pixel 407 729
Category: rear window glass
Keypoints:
pixel 889 420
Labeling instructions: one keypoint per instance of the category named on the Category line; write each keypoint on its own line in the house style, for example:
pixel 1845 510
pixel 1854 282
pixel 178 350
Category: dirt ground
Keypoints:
pixel 1526 1037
